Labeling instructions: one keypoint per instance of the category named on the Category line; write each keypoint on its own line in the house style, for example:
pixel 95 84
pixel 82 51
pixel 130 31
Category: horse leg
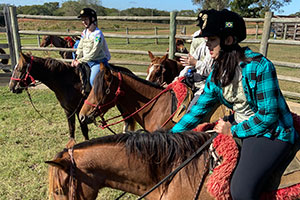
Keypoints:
pixel 84 128
pixel 71 124
pixel 129 123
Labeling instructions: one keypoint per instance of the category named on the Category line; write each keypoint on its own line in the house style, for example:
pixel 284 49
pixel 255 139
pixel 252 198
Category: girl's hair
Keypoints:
pixel 226 63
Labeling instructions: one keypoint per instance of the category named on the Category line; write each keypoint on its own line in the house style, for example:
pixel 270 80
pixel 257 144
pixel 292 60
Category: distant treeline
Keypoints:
pixel 72 8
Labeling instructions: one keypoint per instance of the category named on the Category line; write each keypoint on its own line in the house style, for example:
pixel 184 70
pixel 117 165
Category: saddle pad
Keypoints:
pixel 184 96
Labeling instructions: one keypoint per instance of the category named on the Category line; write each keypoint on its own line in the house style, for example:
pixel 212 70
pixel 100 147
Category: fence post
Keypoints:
pixel 266 33
pixel 127 33
pixel 256 30
pixel 285 31
pixel 295 31
pixel 15 31
pixel 155 33
pixel 172 34
pixel 38 39
pixel 9 36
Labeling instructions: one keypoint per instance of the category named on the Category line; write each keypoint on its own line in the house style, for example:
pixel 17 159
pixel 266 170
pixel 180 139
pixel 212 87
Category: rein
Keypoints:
pixel 72 174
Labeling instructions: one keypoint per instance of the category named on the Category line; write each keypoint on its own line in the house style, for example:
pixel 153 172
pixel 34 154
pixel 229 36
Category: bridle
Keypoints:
pixel 24 77
pixel 112 103
pixel 160 80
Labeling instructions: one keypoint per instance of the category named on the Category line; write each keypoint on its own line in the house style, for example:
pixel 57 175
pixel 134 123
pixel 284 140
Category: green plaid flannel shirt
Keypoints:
pixel 272 116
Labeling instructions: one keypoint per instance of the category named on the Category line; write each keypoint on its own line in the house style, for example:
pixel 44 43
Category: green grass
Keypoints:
pixel 28 140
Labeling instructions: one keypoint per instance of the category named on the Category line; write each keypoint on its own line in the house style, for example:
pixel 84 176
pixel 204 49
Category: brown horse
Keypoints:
pixel 149 104
pixel 135 162
pixel 57 41
pixel 162 70
pixel 60 77
pixel 132 162
pixel 180 48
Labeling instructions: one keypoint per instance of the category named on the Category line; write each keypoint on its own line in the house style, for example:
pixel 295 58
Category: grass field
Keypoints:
pixel 27 140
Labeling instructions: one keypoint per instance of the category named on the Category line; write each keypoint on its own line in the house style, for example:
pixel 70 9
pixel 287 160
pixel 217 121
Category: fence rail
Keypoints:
pixel 173 21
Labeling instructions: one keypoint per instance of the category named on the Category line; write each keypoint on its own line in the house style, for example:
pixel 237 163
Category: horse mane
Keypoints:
pixel 161 150
pixel 56 65
pixel 99 79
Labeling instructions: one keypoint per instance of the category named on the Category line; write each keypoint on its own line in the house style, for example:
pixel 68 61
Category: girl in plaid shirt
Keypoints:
pixel 247 83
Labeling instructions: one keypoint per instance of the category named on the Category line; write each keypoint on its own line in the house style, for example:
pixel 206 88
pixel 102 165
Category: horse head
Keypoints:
pixel 157 69
pixel 102 97
pixel 180 48
pixel 162 70
pixel 21 77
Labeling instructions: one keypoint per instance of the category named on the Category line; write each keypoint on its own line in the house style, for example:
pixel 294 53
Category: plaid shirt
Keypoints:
pixel 272 116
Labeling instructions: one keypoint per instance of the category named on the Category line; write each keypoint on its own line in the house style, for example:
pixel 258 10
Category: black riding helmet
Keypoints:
pixel 88 12
pixel 221 23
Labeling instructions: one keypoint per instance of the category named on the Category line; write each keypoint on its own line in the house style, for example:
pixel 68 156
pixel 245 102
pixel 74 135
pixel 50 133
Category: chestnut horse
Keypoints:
pixel 149 104
pixel 57 41
pixel 60 77
pixel 132 162
pixel 163 70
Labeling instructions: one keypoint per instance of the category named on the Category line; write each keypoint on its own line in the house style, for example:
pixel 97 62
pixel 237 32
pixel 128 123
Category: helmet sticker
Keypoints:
pixel 81 12
pixel 228 24
pixel 204 18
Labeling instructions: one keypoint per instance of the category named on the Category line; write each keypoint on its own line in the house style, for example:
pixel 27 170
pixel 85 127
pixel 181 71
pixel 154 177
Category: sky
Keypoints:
pixel 168 5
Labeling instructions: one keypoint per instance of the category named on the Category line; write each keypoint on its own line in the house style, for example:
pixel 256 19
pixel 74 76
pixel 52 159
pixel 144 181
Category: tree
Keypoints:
pixel 245 8
pixel 272 5
pixel 212 4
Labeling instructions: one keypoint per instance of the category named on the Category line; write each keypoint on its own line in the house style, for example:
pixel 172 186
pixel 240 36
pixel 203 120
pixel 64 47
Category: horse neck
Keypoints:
pixel 127 173
pixel 121 172
pixel 138 94
pixel 59 42
pixel 51 79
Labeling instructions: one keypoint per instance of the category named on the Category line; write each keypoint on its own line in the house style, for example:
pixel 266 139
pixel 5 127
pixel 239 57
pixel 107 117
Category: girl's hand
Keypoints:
pixel 188 61
pixel 74 63
pixel 223 127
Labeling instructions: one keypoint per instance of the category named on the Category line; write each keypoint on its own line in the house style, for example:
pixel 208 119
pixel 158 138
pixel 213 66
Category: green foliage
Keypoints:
pixel 245 8
pixel 212 4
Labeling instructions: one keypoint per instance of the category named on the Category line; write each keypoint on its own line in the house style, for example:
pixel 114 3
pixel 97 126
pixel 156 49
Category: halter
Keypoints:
pixel 112 103
pixel 27 75
pixel 161 78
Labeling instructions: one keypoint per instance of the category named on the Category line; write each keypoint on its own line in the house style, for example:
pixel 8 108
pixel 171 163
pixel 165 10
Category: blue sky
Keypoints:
pixel 168 5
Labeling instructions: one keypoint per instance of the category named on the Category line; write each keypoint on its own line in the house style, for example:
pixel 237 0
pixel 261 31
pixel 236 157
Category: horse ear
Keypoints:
pixel 102 67
pixel 164 58
pixel 150 55
pixel 57 163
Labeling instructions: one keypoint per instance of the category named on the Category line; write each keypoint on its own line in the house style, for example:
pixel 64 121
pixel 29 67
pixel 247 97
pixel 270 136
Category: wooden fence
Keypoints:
pixel 173 20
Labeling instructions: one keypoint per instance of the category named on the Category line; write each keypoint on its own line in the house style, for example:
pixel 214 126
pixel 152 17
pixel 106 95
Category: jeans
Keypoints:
pixel 95 68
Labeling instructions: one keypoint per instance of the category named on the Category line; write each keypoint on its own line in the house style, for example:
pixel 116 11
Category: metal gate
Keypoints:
pixel 8 51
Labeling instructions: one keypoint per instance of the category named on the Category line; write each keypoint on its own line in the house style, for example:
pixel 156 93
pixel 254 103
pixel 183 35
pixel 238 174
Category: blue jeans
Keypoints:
pixel 95 68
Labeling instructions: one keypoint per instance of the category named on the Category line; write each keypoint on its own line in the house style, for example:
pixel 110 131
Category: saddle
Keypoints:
pixel 182 96
pixel 284 183
pixel 84 74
